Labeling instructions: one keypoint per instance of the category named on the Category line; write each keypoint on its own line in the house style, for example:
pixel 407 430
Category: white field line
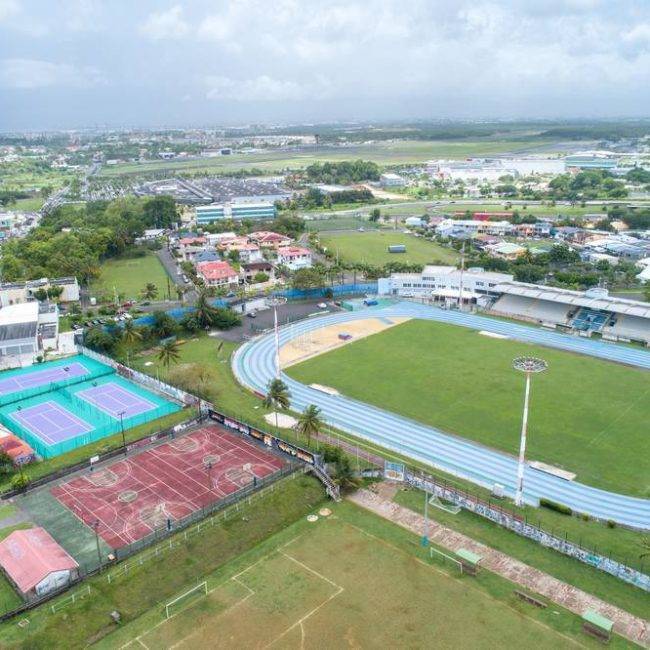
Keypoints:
pixel 300 621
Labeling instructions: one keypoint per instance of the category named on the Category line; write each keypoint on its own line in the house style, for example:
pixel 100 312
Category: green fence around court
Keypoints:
pixel 95 369
pixel 102 423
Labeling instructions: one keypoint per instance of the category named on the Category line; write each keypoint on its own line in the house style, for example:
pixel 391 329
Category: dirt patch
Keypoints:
pixel 324 339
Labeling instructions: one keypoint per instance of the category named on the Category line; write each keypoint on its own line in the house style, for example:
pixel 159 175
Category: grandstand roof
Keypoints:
pixel 29 556
pixel 577 298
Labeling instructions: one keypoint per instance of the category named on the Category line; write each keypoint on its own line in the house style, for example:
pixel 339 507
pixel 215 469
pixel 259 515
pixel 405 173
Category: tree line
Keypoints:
pixel 74 239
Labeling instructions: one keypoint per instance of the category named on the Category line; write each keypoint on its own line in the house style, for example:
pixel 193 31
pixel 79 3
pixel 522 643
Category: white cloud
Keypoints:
pixel 165 24
pixel 262 88
pixel 32 73
pixel 8 9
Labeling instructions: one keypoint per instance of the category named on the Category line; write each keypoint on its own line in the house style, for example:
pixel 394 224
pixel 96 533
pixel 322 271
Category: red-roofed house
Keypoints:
pixel 268 239
pixel 188 247
pixel 18 450
pixel 294 257
pixel 217 274
pixel 35 563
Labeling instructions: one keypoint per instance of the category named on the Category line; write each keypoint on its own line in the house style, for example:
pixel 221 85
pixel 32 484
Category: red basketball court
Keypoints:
pixel 129 498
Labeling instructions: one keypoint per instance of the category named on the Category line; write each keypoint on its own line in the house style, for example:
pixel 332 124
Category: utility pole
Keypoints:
pixel 462 271
pixel 121 414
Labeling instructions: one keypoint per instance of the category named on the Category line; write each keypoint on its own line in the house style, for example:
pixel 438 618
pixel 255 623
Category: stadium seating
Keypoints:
pixel 590 320
pixel 543 311
pixel 629 327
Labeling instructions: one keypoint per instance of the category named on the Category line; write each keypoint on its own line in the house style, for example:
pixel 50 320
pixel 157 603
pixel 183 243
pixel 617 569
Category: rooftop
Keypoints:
pixel 29 556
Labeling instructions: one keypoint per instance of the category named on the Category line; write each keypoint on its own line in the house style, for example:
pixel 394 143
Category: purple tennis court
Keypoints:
pixel 114 399
pixel 42 378
pixel 51 422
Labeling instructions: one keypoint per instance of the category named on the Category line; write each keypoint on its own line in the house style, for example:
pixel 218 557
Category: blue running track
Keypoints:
pixel 253 365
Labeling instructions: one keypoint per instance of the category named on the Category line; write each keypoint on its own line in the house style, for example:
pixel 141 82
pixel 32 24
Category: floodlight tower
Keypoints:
pixel 529 365
pixel 274 301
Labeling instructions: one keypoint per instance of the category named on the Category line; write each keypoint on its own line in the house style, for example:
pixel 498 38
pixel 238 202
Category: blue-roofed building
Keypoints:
pixel 208 255
pixel 590 162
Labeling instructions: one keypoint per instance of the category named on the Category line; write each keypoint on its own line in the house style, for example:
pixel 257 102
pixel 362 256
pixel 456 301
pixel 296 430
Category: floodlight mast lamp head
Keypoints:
pixel 529 365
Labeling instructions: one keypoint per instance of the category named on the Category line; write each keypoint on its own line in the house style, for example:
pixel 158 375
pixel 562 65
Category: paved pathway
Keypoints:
pixel 575 600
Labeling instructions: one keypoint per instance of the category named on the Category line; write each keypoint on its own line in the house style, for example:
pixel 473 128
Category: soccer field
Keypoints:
pixel 129 275
pixel 587 416
pixel 372 248
pixel 349 580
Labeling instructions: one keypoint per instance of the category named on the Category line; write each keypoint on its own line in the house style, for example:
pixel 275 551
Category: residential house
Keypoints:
pixel 217 274
pixel 294 257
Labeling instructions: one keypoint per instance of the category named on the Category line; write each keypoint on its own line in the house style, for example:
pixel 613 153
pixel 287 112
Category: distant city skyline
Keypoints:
pixel 87 63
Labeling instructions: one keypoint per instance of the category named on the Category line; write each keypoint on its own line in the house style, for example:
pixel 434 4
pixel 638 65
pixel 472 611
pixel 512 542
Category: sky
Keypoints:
pixel 152 63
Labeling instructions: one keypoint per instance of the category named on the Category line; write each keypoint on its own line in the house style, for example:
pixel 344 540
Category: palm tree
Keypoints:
pixel 277 396
pixel 169 352
pixel 130 333
pixel 309 422
pixel 204 312
pixel 150 291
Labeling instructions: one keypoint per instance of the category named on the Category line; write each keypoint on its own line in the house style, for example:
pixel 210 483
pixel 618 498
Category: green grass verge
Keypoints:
pixel 158 580
pixel 564 568
pixel 352 579
pixel 372 248
pixel 129 275
pixel 587 416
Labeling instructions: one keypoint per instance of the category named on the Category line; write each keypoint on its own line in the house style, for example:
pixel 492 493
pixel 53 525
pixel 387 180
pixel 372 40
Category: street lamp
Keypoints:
pixel 121 414
pixel 529 365
pixel 209 468
pixel 99 553
pixel 274 301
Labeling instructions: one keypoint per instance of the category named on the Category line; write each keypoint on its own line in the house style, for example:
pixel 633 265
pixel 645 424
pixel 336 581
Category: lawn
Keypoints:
pixel 383 153
pixel 372 248
pixel 587 416
pixel 622 544
pixel 339 223
pixel 129 275
pixel 159 579
pixel 349 580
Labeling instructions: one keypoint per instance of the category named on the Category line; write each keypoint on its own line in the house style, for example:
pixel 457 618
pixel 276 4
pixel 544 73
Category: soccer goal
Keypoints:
pixel 434 552
pixel 185 599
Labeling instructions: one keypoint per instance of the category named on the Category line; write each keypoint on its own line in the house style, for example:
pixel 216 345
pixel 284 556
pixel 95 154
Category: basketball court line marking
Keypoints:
pixel 124 535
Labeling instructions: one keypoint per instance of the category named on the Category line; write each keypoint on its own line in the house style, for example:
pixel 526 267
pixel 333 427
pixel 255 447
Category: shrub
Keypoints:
pixel 19 482
pixel 557 507
pixel 611 523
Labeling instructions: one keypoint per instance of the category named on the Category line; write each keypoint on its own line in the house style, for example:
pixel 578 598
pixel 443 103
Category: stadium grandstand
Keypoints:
pixel 586 312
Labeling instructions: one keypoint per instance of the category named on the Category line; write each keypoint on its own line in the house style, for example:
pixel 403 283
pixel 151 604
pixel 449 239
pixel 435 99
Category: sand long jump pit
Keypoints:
pixel 321 340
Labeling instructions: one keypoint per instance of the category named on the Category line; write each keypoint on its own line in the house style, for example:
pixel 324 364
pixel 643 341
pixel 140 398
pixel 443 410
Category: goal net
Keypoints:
pixel 185 599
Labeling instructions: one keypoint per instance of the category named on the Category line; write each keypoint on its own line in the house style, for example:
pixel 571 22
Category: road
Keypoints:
pixel 169 262
pixel 253 365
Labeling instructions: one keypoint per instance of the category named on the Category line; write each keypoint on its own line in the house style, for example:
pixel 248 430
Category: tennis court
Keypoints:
pixel 116 400
pixel 42 377
pixel 51 422
pixel 130 498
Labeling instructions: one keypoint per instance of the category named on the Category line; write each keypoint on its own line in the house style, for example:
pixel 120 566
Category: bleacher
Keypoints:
pixel 590 320
pixel 541 311
pixel 627 327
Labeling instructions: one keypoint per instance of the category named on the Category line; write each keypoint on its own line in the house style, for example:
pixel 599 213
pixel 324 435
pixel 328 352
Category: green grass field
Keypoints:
pixel 372 248
pixel 339 223
pixel 588 416
pixel 383 153
pixel 129 276
pixel 349 580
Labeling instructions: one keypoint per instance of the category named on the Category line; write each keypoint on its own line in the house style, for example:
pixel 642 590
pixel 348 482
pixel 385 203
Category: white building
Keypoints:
pixel 443 284
pixel 294 257
pixel 392 180
pixel 26 330
pixel 14 293
pixel 471 227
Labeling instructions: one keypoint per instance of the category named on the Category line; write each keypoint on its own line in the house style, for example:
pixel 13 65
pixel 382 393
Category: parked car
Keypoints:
pixel 252 314
pixel 322 305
